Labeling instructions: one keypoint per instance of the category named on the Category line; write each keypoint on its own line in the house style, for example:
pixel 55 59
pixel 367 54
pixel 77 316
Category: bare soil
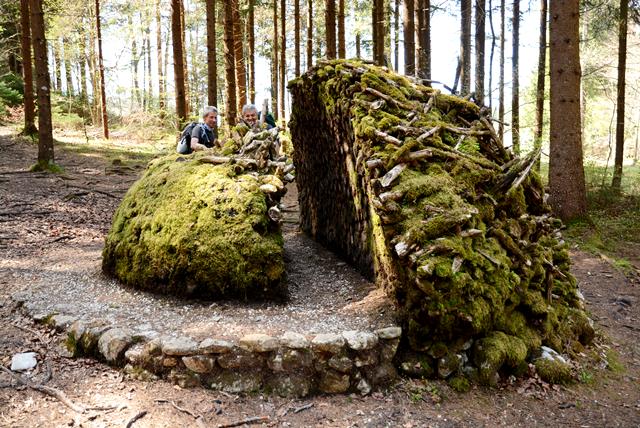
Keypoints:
pixel 52 229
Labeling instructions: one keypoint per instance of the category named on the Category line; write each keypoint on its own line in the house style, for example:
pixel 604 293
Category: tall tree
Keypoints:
pixel 423 12
pixel 161 94
pixel 58 63
pixel 396 35
pixel 67 66
pixel 283 57
pixel 566 173
pixel 251 37
pixel 501 74
pixel 135 60
pixel 178 61
pixel 27 73
pixel 103 96
pixel 465 46
pixel 515 79
pixel 342 47
pixel 229 64
pixel 377 23
pixel 241 73
pixel 542 65
pixel 620 108
pixel 45 128
pixel 330 27
pixel 408 30
pixel 296 35
pixel 310 34
pixel 274 62
pixel 480 48
pixel 147 34
pixel 185 64
pixel 491 55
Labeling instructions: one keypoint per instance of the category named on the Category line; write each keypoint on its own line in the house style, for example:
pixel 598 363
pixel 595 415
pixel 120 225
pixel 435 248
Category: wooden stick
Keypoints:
pixel 302 408
pixel 248 421
pixel 136 417
pixel 175 406
pixel 388 138
pixel 390 176
pixel 419 155
pixel 45 390
pixel 388 99
pixel 374 163
pixel 428 134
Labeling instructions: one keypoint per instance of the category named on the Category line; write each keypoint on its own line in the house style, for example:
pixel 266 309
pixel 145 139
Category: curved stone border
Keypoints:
pixel 291 364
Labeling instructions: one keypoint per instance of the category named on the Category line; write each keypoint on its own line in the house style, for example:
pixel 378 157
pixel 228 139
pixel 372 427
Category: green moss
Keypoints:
pixel 459 384
pixel 193 229
pixel 498 351
pixel 553 371
pixel 50 166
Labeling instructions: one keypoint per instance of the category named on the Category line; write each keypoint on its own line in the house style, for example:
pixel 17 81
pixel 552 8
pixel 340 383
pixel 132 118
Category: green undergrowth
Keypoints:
pixel 465 255
pixel 190 228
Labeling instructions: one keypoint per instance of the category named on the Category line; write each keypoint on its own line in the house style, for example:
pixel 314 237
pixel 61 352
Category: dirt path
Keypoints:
pixel 51 225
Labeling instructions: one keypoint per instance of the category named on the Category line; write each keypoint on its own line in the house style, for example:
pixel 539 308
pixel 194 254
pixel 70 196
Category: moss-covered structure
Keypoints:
pixel 415 188
pixel 199 226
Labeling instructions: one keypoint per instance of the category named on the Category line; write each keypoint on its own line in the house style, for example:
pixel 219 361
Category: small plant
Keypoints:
pixel 49 166
pixel 586 377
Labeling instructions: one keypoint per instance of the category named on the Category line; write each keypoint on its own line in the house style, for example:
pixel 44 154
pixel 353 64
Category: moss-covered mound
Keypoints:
pixel 415 188
pixel 191 227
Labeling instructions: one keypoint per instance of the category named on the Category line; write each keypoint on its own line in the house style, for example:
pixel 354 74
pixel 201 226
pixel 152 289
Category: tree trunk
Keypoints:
pixel 465 47
pixel 296 36
pixel 27 72
pixel 238 55
pixel 161 95
pixel 251 36
pixel 229 65
pixel 424 38
pixel 542 65
pixel 408 30
pixel 45 129
pixel 493 49
pixel 149 79
pixel 342 46
pixel 67 66
pixel 178 63
pixel 274 62
pixel 480 48
pixel 283 59
pixel 386 10
pixel 358 45
pixel 622 65
pixel 212 65
pixel 93 71
pixel 515 85
pixel 309 34
pixel 501 76
pixel 380 36
pixel 58 63
pixel 566 173
pixel 84 94
pixel 396 36
pixel 185 64
pixel 330 27
pixel 135 92
pixel 103 96
pixel 374 30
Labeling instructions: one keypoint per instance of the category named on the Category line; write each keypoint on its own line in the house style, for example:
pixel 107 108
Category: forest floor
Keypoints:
pixel 57 223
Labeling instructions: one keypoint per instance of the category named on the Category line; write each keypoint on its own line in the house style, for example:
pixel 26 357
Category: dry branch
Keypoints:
pixel 247 421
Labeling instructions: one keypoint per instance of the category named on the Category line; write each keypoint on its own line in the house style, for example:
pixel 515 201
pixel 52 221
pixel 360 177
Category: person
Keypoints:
pixel 251 118
pixel 204 135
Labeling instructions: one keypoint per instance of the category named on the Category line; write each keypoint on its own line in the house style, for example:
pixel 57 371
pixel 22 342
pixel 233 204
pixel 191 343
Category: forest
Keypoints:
pixel 401 243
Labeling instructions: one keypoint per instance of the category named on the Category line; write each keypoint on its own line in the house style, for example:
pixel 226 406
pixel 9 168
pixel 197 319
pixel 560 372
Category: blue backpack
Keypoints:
pixel 184 143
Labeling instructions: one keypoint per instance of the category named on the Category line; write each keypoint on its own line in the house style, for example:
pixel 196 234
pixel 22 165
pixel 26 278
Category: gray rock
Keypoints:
pixel 23 361
pixel 236 382
pixel 364 387
pixel 360 340
pixel 366 358
pixel 551 355
pixel 179 346
pixel 449 364
pixel 341 364
pixel 113 343
pixel 135 354
pixel 290 385
pixel 200 363
pixel 258 343
pixel 388 349
pixel 330 342
pixel 294 340
pixel 215 346
pixel 241 359
pixel 62 322
pixel 389 333
pixel 184 380
pixel 41 316
pixel 296 359
pixel 332 382
pixel 169 362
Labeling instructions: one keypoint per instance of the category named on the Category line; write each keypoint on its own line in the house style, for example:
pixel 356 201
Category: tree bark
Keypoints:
pixel 67 66
pixel 480 49
pixel 149 79
pixel 251 37
pixel 45 129
pixel 491 55
pixel 58 63
pixel 566 173
pixel 424 38
pixel 309 34
pixel 408 30
pixel 103 96
pixel 241 74
pixel 296 36
pixel 342 46
pixel 620 109
pixel 185 64
pixel 161 95
pixel 396 35
pixel 501 74
pixel 330 27
pixel 358 45
pixel 135 92
pixel 274 62
pixel 465 47
pixel 515 71
pixel 283 58
pixel 178 63
pixel 542 65
pixel 27 72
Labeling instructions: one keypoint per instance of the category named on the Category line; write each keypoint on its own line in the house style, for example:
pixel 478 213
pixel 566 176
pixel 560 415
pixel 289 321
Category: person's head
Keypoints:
pixel 210 115
pixel 250 114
